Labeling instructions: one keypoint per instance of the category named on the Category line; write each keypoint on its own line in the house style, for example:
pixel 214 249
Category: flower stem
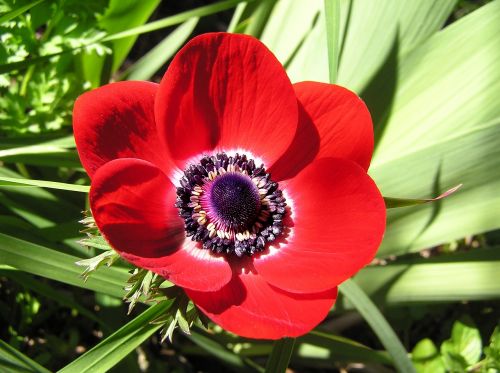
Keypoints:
pixel 280 355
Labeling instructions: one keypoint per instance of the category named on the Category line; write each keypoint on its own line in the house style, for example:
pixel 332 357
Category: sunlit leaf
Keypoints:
pixel 118 345
pixel 378 323
pixel 14 361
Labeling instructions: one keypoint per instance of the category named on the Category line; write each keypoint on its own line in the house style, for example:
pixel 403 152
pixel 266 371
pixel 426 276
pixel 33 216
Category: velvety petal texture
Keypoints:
pixel 336 224
pixel 132 202
pixel 117 121
pixel 333 122
pixel 250 307
pixel 226 91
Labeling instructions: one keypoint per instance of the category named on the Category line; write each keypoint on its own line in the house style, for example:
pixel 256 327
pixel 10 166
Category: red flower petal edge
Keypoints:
pixel 117 121
pixel 226 91
pixel 335 227
pixel 250 307
pixel 132 202
pixel 334 122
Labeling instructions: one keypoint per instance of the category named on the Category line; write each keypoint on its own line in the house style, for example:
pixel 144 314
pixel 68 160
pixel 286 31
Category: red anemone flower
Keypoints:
pixel 249 192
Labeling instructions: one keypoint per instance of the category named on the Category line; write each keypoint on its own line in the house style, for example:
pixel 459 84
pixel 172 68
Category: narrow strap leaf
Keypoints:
pixel 16 12
pixel 15 361
pixel 44 184
pixel 332 15
pixel 379 325
pixel 391 202
pixel 280 355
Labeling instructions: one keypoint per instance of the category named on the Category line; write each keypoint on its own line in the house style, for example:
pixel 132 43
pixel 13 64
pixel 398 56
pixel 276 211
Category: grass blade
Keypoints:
pixel 280 355
pixel 340 349
pixel 332 16
pixel 215 349
pixel 42 261
pixel 175 19
pixel 14 361
pixel 44 184
pixel 16 12
pixel 118 345
pixel 379 325
pixel 152 61
pixel 391 202
pixel 449 278
pixel 258 19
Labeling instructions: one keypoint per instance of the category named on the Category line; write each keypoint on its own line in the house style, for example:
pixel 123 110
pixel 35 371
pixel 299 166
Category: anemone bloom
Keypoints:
pixel 248 192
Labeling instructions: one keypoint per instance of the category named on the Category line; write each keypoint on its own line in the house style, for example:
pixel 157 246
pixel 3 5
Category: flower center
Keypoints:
pixel 230 205
pixel 234 200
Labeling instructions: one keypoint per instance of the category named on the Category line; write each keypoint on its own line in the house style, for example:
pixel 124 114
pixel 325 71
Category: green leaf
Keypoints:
pixel 464 348
pixel 124 15
pixel 332 15
pixel 492 352
pixel 451 278
pixel 337 348
pixel 149 27
pixel 118 345
pixel 176 19
pixel 427 358
pixel 43 209
pixel 45 262
pixel 472 159
pixel 433 138
pixel 152 61
pixel 379 325
pixel 44 289
pixel 44 184
pixel 370 30
pixel 30 61
pixel 106 258
pixel 12 360
pixel 391 202
pixel 257 20
pixel 16 12
pixel 229 358
pixel 280 355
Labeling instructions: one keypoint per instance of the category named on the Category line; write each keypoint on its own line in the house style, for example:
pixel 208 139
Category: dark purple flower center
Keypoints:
pixel 234 200
pixel 230 205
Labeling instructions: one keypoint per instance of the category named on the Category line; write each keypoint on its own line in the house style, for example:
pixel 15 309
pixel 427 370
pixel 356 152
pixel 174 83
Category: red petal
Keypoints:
pixel 250 307
pixel 117 121
pixel 337 222
pixel 226 91
pixel 343 125
pixel 132 202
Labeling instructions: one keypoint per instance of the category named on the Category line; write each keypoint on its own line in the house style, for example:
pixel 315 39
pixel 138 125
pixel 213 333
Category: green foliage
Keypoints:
pixel 41 99
pixel 464 347
pixel 426 357
pixel 428 71
pixel 460 353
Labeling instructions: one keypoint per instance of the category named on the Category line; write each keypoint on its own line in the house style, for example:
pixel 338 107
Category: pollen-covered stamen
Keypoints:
pixel 230 205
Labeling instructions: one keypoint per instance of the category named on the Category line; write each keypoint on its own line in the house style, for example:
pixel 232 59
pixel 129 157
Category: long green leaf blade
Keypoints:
pixel 14 361
pixel 16 12
pixel 152 61
pixel 332 15
pixel 42 261
pixel 44 184
pixel 118 345
pixel 379 325
pixel 450 278
pixel 280 355
pixel 176 19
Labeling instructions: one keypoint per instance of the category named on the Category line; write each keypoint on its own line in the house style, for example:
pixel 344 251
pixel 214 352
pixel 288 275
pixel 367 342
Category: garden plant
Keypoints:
pixel 250 186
